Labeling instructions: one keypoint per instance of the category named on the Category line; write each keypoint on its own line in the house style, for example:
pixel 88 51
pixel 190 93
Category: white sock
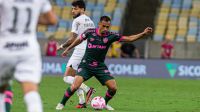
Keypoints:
pixel 33 102
pixel 2 103
pixel 70 80
pixel 84 87
pixel 80 94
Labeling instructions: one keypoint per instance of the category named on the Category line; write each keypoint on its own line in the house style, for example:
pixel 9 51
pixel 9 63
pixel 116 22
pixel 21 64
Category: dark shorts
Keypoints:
pixel 102 74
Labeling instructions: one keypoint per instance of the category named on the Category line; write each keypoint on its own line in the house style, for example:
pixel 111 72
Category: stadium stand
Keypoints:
pixel 179 20
pixel 95 9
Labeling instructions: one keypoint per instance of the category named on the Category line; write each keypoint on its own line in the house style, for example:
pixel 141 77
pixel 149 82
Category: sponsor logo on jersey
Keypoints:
pixel 15 45
pixel 105 40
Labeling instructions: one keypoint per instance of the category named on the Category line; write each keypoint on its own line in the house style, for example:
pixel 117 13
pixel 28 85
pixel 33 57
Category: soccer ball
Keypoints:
pixel 98 103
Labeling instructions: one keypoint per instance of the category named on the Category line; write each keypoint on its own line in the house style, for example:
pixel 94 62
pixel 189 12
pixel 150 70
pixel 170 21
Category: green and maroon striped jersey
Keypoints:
pixel 97 46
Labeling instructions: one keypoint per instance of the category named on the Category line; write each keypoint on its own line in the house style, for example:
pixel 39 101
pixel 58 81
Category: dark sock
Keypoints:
pixel 109 95
pixel 8 107
pixel 8 99
pixel 67 95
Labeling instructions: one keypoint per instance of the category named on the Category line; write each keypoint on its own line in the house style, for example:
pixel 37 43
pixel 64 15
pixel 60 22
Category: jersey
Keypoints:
pixel 167 47
pixel 51 48
pixel 20 17
pixel 79 25
pixel 97 46
pixel 18 42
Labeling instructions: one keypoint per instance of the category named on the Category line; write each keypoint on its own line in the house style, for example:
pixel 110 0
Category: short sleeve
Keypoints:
pixel 84 35
pixel 117 37
pixel 75 26
pixel 46 6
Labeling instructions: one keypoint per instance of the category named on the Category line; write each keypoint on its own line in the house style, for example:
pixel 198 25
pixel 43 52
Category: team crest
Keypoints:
pixel 105 40
pixel 80 69
pixel 106 71
pixel 94 34
pixel 91 39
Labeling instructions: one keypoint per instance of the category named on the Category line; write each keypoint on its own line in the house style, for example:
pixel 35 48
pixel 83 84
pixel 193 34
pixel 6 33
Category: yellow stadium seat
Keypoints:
pixel 59 35
pixel 115 28
pixel 41 28
pixel 191 38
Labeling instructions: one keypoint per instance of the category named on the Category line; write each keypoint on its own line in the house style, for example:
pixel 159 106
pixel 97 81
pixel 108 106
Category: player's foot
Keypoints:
pixel 59 106
pixel 89 95
pixel 81 105
pixel 108 107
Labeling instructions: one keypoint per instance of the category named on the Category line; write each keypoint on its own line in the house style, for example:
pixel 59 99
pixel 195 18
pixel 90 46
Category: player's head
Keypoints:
pixel 78 8
pixel 104 24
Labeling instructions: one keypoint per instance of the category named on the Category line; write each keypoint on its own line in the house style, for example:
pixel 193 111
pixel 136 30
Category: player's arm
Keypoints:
pixel 132 38
pixel 48 18
pixel 74 44
pixel 69 41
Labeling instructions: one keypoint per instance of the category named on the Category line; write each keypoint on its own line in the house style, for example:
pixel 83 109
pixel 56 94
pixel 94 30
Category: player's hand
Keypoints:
pixel 148 30
pixel 60 47
pixel 65 53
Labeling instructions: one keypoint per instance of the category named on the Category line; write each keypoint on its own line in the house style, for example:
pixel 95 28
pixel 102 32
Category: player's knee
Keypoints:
pixel 113 88
pixel 74 87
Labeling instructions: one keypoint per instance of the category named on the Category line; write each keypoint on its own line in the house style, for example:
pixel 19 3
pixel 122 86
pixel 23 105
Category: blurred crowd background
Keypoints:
pixel 176 26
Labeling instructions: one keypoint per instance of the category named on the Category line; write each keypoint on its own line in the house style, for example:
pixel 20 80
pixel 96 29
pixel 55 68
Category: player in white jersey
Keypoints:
pixel 80 23
pixel 20 52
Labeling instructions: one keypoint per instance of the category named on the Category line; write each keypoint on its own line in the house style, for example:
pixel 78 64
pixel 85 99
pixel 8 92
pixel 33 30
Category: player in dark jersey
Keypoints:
pixel 92 64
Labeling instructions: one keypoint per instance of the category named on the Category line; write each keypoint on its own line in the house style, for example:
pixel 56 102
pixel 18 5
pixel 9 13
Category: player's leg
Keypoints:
pixel 70 74
pixel 6 74
pixel 69 79
pixel 2 97
pixel 112 88
pixel 105 78
pixel 70 90
pixel 71 69
pixel 32 97
pixel 8 100
pixel 28 74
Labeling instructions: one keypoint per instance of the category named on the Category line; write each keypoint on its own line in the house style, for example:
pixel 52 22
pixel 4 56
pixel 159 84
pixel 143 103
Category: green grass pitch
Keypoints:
pixel 133 95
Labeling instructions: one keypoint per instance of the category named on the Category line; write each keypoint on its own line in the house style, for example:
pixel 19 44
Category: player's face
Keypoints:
pixel 104 26
pixel 76 11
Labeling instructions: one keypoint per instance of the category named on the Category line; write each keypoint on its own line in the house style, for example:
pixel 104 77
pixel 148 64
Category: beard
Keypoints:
pixel 104 32
pixel 75 16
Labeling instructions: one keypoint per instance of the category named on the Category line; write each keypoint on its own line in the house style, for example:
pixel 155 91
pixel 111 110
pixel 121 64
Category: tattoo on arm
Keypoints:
pixel 70 40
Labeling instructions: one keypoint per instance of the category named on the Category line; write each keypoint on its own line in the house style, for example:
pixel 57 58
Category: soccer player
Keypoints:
pixel 20 52
pixel 80 23
pixel 92 64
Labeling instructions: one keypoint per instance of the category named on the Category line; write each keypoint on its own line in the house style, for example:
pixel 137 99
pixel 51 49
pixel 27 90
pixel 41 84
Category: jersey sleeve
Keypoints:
pixel 84 35
pixel 75 26
pixel 46 6
pixel 117 37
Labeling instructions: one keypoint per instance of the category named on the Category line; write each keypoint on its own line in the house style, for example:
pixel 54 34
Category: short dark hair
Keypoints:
pixel 79 3
pixel 105 18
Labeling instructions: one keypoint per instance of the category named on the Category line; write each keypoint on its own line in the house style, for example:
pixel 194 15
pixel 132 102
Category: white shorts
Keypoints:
pixel 24 65
pixel 76 58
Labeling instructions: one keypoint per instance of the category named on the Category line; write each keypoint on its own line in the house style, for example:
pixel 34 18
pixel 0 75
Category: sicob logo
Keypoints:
pixel 172 69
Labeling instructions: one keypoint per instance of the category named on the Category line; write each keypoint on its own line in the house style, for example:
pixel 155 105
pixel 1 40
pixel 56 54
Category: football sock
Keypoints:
pixel 80 94
pixel 2 103
pixel 68 79
pixel 84 87
pixel 8 100
pixel 67 95
pixel 109 95
pixel 33 102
